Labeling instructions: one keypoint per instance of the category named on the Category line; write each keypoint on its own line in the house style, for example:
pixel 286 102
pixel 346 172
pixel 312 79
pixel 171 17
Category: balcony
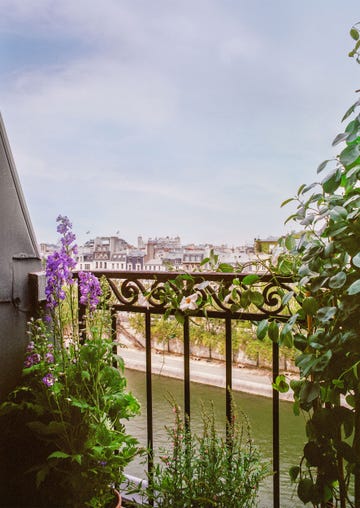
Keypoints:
pixel 148 293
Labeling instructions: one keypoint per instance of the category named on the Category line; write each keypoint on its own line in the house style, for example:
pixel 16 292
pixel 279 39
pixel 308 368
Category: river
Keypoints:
pixel 257 408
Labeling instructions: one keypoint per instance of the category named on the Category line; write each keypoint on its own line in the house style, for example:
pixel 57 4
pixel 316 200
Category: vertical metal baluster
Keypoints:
pixel 187 370
pixel 276 429
pixel 114 335
pixel 149 408
pixel 228 366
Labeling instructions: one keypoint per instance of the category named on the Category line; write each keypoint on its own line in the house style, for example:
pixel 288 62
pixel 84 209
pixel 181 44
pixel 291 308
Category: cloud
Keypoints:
pixel 196 116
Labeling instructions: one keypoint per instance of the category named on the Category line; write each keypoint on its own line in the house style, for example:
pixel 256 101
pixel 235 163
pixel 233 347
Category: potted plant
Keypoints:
pixel 206 469
pixel 62 432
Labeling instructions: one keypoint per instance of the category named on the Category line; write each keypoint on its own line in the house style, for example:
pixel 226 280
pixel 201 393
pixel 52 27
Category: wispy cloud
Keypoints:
pixel 200 117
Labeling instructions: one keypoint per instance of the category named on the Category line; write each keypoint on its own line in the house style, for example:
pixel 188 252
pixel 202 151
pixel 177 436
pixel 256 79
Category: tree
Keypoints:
pixel 326 327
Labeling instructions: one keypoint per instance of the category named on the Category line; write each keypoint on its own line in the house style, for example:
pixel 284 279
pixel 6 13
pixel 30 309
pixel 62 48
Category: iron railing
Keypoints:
pixel 147 293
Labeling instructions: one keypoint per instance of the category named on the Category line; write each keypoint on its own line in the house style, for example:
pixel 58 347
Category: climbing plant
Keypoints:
pixel 325 329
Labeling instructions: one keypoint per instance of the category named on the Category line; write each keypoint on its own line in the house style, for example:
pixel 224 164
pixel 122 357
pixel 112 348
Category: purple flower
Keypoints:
pixel 30 346
pixel 28 362
pixel 90 290
pixel 49 379
pixel 32 359
pixel 64 224
pixel 49 358
pixel 60 264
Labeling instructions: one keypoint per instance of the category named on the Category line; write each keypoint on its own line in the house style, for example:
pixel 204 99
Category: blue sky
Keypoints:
pixel 165 117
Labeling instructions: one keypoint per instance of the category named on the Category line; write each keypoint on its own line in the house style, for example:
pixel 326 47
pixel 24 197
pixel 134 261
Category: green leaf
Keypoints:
pixel 339 138
pixel 349 155
pixel 354 34
pixel 281 384
pixel 80 404
pixel 322 166
pixel 179 316
pixel 337 281
pixel 226 268
pixel 349 174
pixel 250 279
pixel 309 392
pixel 332 181
pixel 296 408
pixel 273 331
pixel 286 202
pixel 305 363
pixel 294 473
pixel 301 188
pixel 322 361
pixel 286 338
pixel 350 399
pixel 354 289
pixel 59 455
pixel 310 305
pixel 351 110
pixel 245 299
pixel 356 260
pixel 287 297
pixel 256 298
pixel 41 475
pixel 326 314
pixel 305 490
pixel 290 242
pixel 262 329
pixel 338 213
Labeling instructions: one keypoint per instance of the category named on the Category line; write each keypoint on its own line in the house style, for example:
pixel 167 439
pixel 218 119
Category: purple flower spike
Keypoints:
pixel 60 264
pixel 90 290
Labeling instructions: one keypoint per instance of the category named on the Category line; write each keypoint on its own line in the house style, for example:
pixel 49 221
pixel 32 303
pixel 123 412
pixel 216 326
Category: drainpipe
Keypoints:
pixel 19 255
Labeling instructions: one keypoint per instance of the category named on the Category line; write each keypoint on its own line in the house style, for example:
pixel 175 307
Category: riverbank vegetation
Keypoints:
pixel 207 340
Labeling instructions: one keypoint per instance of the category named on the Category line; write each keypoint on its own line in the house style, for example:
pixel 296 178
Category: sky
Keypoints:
pixel 195 118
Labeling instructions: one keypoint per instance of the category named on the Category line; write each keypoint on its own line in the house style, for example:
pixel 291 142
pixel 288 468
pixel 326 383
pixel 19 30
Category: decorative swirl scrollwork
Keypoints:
pixel 129 291
pixel 220 296
pixel 272 299
pixel 157 295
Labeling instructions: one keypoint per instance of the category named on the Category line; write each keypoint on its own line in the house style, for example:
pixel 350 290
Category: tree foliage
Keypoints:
pixel 325 260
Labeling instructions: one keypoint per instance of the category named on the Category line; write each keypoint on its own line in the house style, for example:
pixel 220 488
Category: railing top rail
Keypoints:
pixel 196 276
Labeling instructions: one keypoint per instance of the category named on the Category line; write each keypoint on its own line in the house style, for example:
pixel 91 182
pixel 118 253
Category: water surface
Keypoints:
pixel 258 410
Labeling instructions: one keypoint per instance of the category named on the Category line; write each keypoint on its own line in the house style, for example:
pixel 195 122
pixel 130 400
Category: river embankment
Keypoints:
pixel 244 379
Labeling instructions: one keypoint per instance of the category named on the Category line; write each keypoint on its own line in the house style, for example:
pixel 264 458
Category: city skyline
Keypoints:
pixel 168 118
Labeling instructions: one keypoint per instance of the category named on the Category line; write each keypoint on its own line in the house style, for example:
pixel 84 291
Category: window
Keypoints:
pixel 87 266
